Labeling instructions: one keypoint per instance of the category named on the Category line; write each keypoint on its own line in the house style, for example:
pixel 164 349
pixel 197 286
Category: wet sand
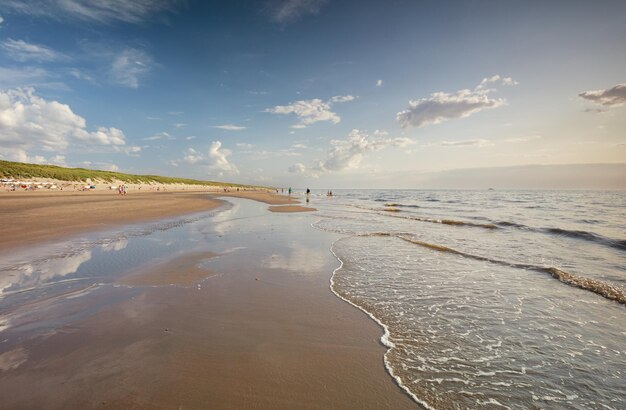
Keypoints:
pixel 185 270
pixel 35 217
pixel 291 208
pixel 242 333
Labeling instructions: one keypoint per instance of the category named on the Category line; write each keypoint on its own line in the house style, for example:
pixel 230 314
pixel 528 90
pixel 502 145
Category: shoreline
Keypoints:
pixel 33 218
pixel 262 329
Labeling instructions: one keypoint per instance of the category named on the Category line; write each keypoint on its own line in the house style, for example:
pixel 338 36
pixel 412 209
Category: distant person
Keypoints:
pixel 308 195
pixel 289 190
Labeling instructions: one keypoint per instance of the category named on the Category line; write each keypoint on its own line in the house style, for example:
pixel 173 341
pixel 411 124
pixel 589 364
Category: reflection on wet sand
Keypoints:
pixel 186 269
pixel 29 276
pixel 260 333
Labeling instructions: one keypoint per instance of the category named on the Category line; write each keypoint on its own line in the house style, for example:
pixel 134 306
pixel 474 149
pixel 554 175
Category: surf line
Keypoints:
pixel 593 285
pixel 385 339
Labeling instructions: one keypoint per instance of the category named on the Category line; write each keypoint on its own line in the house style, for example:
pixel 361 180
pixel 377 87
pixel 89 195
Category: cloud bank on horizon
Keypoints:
pixel 282 91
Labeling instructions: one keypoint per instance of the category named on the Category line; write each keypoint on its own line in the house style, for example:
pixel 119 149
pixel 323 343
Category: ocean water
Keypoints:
pixel 499 299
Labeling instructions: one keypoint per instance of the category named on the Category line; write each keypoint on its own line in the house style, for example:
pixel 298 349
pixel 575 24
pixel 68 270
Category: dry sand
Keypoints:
pixel 29 218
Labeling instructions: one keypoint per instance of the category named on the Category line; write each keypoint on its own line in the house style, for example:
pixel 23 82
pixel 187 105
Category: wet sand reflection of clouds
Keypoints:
pixel 33 275
pixel 297 260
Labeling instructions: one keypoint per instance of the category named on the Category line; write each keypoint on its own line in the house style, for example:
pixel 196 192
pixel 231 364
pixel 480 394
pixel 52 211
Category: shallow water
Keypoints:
pixel 507 299
pixel 47 287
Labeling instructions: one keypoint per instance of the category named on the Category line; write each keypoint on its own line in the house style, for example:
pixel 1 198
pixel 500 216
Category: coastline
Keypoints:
pixel 262 329
pixel 32 218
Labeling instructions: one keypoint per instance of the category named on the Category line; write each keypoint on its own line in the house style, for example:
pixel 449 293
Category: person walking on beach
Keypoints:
pixel 290 191
pixel 308 195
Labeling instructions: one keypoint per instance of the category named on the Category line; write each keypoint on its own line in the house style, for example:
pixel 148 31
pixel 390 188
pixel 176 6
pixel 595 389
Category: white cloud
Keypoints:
pixel 297 168
pixel 312 111
pixel 81 75
pixel 192 156
pixel 129 66
pixel 442 106
pixel 611 97
pixel 244 145
pixel 25 77
pixel 22 51
pixel 379 83
pixel 1 20
pixel 216 159
pixel 28 121
pixel 342 98
pixel 180 125
pixel 285 11
pixel 462 143
pixel 230 127
pixel 496 79
pixel 299 146
pixel 348 153
pixel 103 11
pixel 131 151
pixel 159 136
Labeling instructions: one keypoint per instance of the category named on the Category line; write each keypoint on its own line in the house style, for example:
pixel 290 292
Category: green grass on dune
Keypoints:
pixel 19 170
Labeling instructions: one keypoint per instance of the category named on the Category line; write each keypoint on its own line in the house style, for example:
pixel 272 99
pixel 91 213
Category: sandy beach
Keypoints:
pixel 252 328
pixel 35 217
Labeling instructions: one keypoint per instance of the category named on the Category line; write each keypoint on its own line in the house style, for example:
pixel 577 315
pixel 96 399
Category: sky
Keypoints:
pixel 320 93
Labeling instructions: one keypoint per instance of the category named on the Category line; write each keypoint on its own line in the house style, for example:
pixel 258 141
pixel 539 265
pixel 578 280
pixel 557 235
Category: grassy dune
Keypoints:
pixel 19 170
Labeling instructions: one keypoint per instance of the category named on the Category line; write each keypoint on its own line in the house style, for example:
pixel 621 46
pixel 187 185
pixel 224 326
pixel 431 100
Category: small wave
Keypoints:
pixel 582 235
pixel 452 222
pixel 593 285
pixel 385 338
pixel 587 236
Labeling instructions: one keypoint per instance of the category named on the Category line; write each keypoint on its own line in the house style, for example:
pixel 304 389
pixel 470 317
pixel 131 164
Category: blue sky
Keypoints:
pixel 322 93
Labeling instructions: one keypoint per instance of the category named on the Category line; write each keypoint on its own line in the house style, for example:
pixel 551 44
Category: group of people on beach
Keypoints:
pixel 121 190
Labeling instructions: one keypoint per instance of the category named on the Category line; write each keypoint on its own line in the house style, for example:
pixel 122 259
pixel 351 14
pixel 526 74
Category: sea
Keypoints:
pixel 485 298
pixel 499 299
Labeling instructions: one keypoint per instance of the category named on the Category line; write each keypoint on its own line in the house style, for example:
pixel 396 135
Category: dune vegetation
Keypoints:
pixel 19 170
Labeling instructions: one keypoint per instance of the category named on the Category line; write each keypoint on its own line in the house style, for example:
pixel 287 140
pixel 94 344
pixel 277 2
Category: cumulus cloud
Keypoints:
pixel 312 111
pixel 496 79
pixel 131 151
pixel 611 97
pixel 216 159
pixel 129 67
pixel 441 106
pixel 297 168
pixel 193 156
pixel 1 21
pixel 286 11
pixel 28 121
pixel 379 83
pixel 230 127
pixel 348 153
pixel 22 51
pixel 103 11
